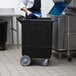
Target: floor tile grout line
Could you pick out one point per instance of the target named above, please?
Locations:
(28, 72)
(13, 65)
(6, 68)
(54, 67)
(42, 69)
(45, 69)
(49, 72)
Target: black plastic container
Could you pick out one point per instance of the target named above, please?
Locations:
(36, 39)
(3, 34)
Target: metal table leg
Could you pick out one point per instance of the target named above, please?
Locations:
(12, 29)
(17, 28)
(68, 41)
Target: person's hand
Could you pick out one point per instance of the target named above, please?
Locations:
(28, 12)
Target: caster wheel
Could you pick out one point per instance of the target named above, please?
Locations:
(25, 60)
(45, 62)
(69, 58)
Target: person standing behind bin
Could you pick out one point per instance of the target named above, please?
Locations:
(32, 8)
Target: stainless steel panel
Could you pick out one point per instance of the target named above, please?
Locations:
(60, 34)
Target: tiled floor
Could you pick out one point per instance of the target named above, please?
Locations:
(10, 66)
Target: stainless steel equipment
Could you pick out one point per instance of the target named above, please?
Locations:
(64, 33)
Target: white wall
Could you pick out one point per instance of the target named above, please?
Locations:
(46, 6)
(9, 4)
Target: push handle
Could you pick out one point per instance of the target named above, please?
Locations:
(21, 18)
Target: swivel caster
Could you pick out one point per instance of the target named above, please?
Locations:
(25, 60)
(45, 62)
